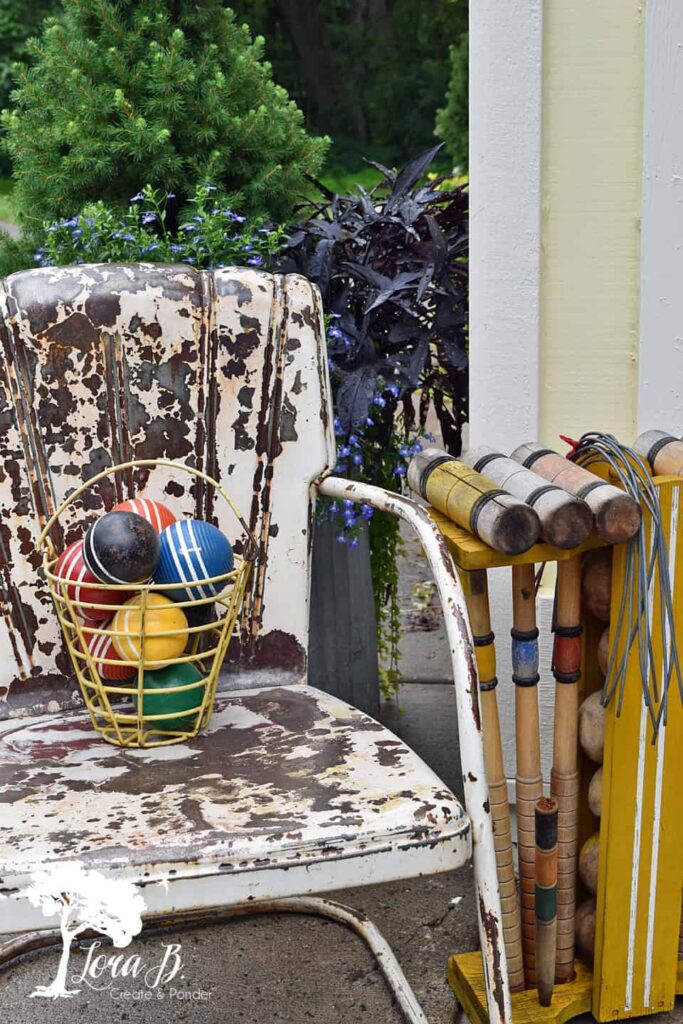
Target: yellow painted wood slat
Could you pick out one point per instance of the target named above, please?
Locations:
(471, 553)
(466, 979)
(641, 831)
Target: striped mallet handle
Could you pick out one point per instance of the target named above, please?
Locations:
(546, 897)
(480, 621)
(529, 781)
(564, 777)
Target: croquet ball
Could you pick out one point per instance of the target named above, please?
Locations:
(592, 717)
(163, 703)
(160, 516)
(584, 925)
(162, 616)
(121, 547)
(603, 651)
(71, 566)
(101, 646)
(199, 614)
(595, 793)
(588, 862)
(193, 550)
(596, 582)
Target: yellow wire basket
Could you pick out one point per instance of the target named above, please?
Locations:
(135, 711)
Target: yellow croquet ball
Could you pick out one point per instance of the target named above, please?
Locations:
(165, 631)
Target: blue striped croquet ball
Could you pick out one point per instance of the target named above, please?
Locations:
(192, 550)
(121, 547)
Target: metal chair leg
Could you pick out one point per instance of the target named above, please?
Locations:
(355, 919)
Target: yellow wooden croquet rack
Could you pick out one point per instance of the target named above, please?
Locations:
(636, 968)
(116, 707)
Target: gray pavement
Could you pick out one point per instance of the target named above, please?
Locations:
(279, 968)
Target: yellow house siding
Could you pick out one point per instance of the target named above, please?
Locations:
(591, 167)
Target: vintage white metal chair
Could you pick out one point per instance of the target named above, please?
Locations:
(290, 791)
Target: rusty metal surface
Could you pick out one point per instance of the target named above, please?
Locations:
(282, 776)
(105, 363)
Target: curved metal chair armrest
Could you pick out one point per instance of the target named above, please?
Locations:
(469, 722)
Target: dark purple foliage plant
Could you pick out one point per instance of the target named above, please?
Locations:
(391, 264)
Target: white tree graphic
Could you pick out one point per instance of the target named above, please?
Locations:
(84, 900)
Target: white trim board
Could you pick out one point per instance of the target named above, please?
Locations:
(506, 45)
(660, 383)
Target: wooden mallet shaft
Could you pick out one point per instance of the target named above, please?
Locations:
(564, 777)
(529, 781)
(475, 585)
(546, 897)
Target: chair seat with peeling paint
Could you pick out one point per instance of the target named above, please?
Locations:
(290, 791)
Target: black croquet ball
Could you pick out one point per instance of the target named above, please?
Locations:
(121, 547)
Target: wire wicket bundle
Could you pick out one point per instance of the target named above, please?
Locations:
(643, 563)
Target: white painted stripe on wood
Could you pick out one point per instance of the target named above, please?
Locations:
(659, 776)
(506, 45)
(638, 819)
(635, 860)
(660, 386)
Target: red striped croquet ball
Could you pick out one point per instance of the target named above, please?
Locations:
(101, 646)
(121, 547)
(192, 550)
(71, 566)
(160, 516)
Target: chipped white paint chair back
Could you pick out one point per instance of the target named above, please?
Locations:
(289, 791)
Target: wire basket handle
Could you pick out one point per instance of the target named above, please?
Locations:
(44, 539)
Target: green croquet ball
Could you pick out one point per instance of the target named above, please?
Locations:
(162, 703)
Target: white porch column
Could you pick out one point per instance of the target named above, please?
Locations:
(660, 382)
(556, 154)
(505, 198)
